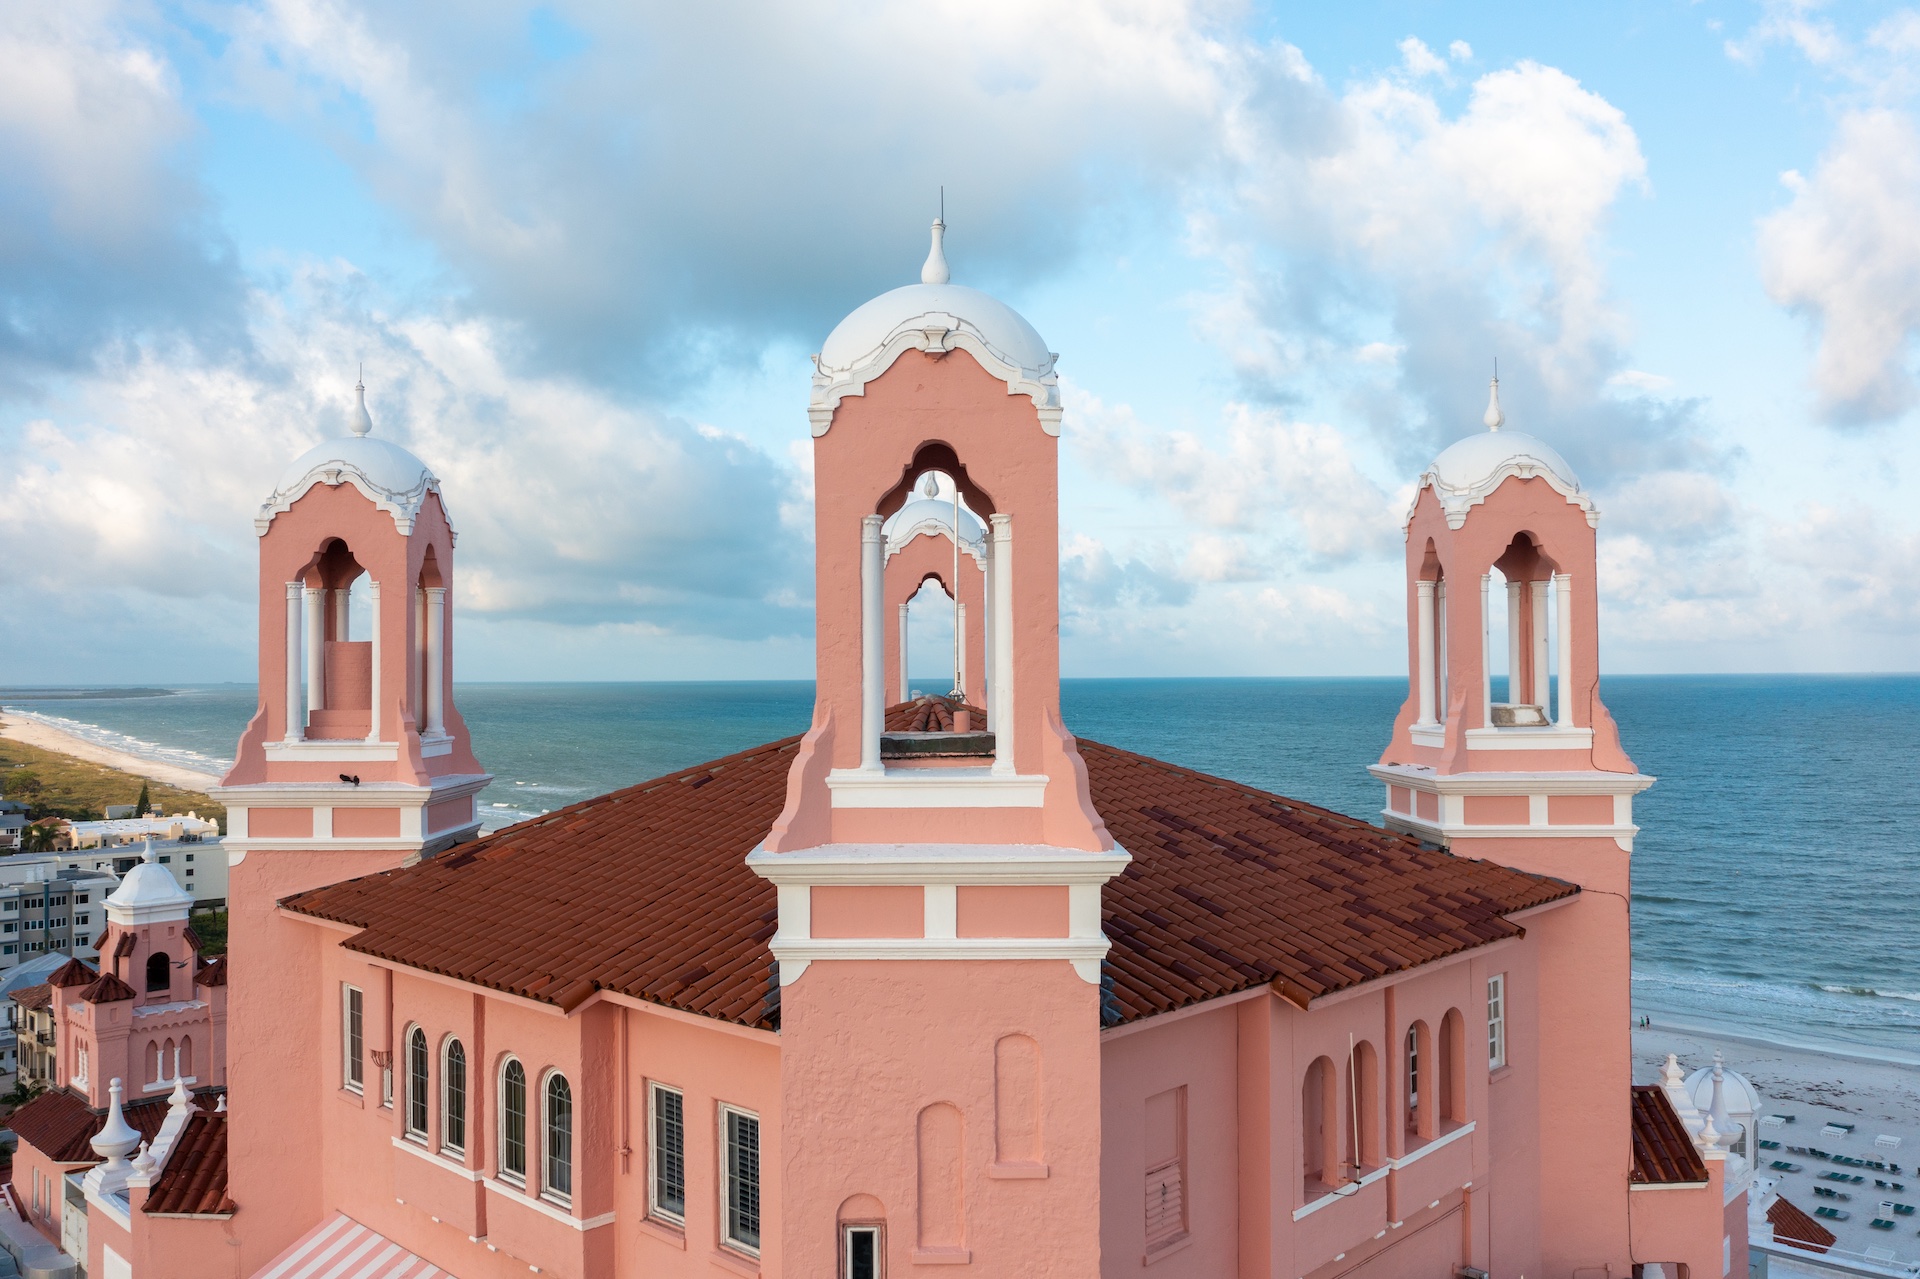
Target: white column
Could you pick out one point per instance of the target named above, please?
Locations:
(960, 646)
(906, 689)
(1440, 646)
(296, 705)
(341, 597)
(1541, 670)
(1486, 650)
(1516, 665)
(990, 673)
(873, 650)
(316, 649)
(436, 659)
(1424, 648)
(373, 616)
(417, 664)
(1003, 643)
(1563, 589)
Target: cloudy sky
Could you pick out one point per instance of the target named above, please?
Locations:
(583, 251)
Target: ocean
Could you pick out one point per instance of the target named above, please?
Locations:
(1776, 876)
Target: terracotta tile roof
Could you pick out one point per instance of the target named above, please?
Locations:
(73, 973)
(212, 973)
(1794, 1226)
(124, 946)
(108, 989)
(194, 1182)
(1663, 1149)
(33, 996)
(1230, 888)
(60, 1125)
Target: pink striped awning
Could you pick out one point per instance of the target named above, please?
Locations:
(342, 1248)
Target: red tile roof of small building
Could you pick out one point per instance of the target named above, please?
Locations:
(33, 996)
(1663, 1149)
(60, 1124)
(213, 972)
(194, 1182)
(1795, 1226)
(645, 891)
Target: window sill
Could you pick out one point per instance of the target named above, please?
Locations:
(738, 1262)
(670, 1233)
(352, 1098)
(1017, 1172)
(943, 1256)
(1165, 1250)
(1497, 1073)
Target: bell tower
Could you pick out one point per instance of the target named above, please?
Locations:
(939, 944)
(356, 762)
(1527, 770)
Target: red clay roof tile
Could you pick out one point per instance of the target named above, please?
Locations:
(1795, 1226)
(1663, 1149)
(1230, 888)
(194, 1182)
(33, 996)
(60, 1124)
(73, 973)
(108, 989)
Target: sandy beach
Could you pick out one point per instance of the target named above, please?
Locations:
(1874, 1091)
(33, 732)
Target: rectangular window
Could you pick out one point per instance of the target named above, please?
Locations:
(189, 857)
(81, 920)
(1496, 1021)
(81, 900)
(1166, 1149)
(352, 1031)
(860, 1252)
(740, 1179)
(669, 1154)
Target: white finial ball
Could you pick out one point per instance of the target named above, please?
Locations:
(930, 487)
(362, 423)
(935, 271)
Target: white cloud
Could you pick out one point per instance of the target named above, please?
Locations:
(1420, 60)
(1845, 252)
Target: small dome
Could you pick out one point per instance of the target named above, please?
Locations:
(934, 316)
(916, 517)
(1467, 463)
(149, 893)
(1736, 1090)
(392, 478)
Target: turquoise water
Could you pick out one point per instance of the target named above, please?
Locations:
(1776, 877)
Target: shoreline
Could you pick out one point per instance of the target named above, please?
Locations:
(21, 727)
(1843, 1049)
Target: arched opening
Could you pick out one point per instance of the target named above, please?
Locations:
(430, 648)
(1452, 1075)
(928, 641)
(339, 668)
(1524, 616)
(935, 594)
(513, 1122)
(1360, 1129)
(159, 973)
(1430, 640)
(556, 1172)
(863, 1237)
(1319, 1174)
(942, 1148)
(1422, 1084)
(453, 1098)
(186, 1057)
(417, 1083)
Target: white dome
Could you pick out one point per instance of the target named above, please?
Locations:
(934, 316)
(916, 515)
(1736, 1090)
(392, 478)
(1469, 470)
(148, 894)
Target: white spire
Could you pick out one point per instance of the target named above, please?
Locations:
(220, 1107)
(930, 487)
(1672, 1073)
(362, 420)
(179, 1098)
(935, 271)
(116, 1137)
(143, 1163)
(1494, 419)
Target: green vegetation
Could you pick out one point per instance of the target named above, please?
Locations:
(210, 926)
(54, 785)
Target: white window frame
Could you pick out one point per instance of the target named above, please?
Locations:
(529, 1127)
(1496, 1021)
(562, 1197)
(447, 1046)
(406, 1086)
(352, 1064)
(655, 1208)
(851, 1228)
(726, 1176)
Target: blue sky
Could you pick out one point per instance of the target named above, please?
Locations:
(584, 250)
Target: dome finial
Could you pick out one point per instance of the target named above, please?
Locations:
(149, 856)
(935, 271)
(362, 421)
(1494, 419)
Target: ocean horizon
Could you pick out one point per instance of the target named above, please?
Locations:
(1774, 886)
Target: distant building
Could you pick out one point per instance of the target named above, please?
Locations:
(120, 831)
(24, 987)
(47, 907)
(199, 866)
(12, 827)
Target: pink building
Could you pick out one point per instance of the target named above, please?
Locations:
(937, 985)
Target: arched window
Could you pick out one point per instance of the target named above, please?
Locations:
(453, 1098)
(1453, 1068)
(513, 1122)
(159, 973)
(1318, 1175)
(186, 1056)
(556, 1179)
(1422, 1085)
(1361, 1130)
(417, 1083)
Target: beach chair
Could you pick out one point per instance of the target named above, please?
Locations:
(1903, 1210)
(1781, 1165)
(1832, 1214)
(1769, 1145)
(1881, 1223)
(1828, 1192)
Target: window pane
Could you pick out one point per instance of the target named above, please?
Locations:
(559, 1178)
(669, 1153)
(513, 1127)
(743, 1179)
(862, 1253)
(417, 1082)
(453, 1116)
(355, 1041)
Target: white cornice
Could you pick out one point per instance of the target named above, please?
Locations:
(1456, 502)
(344, 795)
(898, 539)
(403, 505)
(934, 787)
(938, 864)
(1541, 782)
(935, 332)
(1085, 953)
